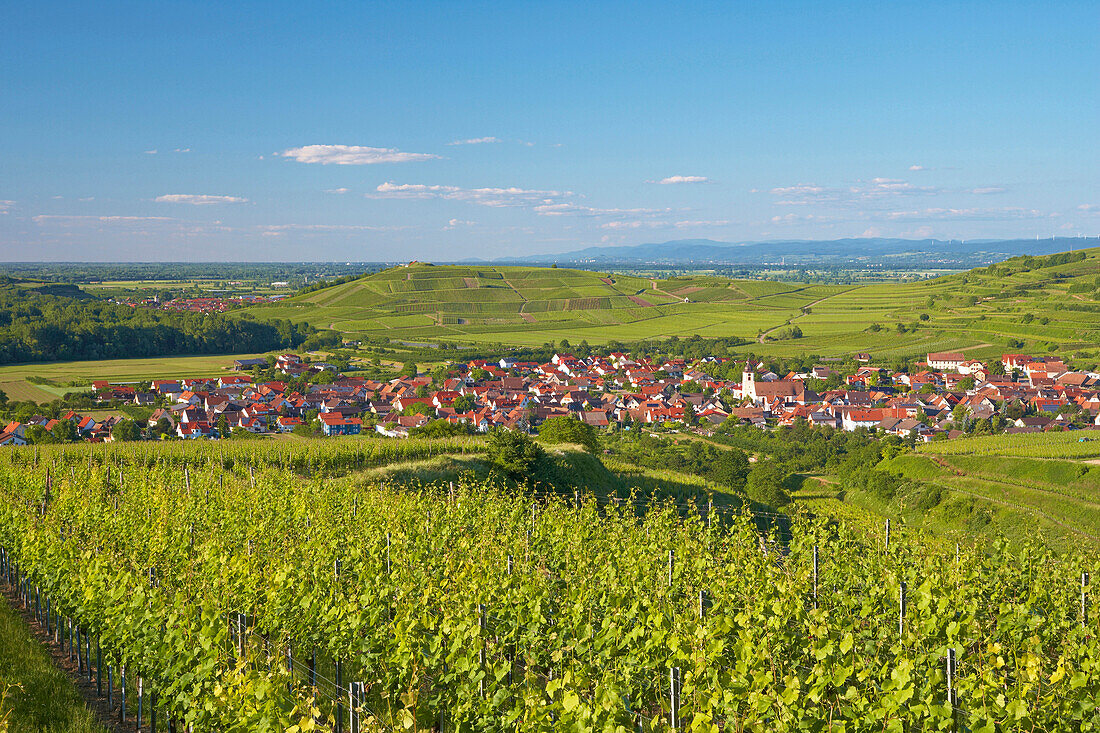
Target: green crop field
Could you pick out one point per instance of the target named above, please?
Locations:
(248, 591)
(74, 376)
(1015, 305)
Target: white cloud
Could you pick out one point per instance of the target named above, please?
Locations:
(182, 150)
(455, 223)
(793, 218)
(5, 205)
(151, 152)
(351, 155)
(475, 141)
(803, 194)
(275, 230)
(497, 197)
(73, 220)
(985, 190)
(336, 190)
(1082, 207)
(871, 232)
(682, 179)
(661, 224)
(571, 209)
(198, 199)
(695, 224)
(969, 214)
(915, 168)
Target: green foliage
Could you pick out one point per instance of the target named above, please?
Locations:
(513, 452)
(569, 429)
(463, 403)
(441, 429)
(126, 431)
(764, 485)
(550, 576)
(35, 326)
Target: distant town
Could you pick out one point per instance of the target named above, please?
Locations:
(948, 396)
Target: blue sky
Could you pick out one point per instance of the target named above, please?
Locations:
(392, 131)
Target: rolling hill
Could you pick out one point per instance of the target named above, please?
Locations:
(1039, 303)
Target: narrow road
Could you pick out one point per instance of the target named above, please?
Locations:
(801, 313)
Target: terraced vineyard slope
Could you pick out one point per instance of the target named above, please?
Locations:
(1035, 303)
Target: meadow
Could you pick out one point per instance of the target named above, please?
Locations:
(77, 376)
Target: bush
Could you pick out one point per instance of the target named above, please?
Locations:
(513, 452)
(765, 485)
(569, 429)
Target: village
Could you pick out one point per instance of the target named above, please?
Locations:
(947, 397)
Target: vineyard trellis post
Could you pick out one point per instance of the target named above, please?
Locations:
(1084, 600)
(481, 647)
(122, 695)
(887, 534)
(952, 693)
(902, 602)
(671, 564)
(339, 714)
(674, 698)
(815, 576)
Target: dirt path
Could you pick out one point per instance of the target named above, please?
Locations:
(802, 312)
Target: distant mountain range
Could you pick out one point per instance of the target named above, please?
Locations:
(863, 252)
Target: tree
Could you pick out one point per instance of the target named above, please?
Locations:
(513, 452)
(967, 383)
(569, 429)
(765, 485)
(126, 430)
(408, 369)
(731, 468)
(463, 403)
(65, 431)
(38, 435)
(223, 426)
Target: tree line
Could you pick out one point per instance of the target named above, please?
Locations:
(38, 326)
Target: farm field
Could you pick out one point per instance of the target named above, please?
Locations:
(62, 374)
(1048, 308)
(287, 598)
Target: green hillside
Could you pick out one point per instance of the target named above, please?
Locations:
(1038, 303)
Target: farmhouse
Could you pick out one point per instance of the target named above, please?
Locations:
(945, 360)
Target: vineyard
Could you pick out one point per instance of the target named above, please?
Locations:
(257, 588)
(1070, 444)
